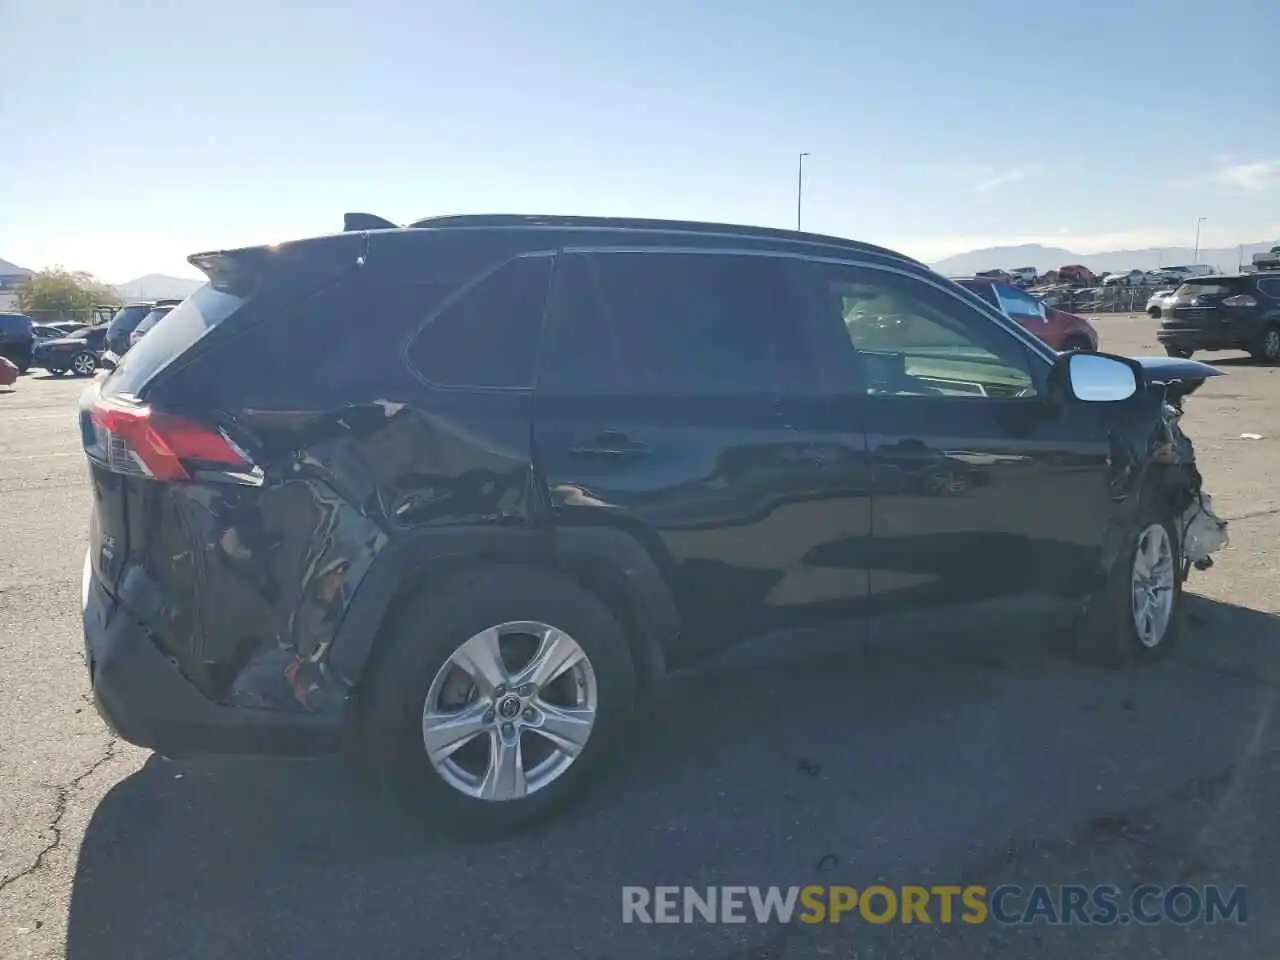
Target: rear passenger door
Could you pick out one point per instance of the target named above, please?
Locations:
(677, 397)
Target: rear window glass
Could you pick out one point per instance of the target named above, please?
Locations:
(184, 326)
(487, 337)
(126, 319)
(152, 318)
(1208, 288)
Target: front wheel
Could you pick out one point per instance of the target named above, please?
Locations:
(497, 695)
(1268, 349)
(1136, 617)
(84, 364)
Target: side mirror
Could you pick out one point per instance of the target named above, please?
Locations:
(1100, 377)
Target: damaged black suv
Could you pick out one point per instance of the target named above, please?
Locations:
(458, 496)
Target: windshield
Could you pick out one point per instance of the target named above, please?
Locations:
(151, 319)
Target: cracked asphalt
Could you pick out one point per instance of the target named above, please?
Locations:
(999, 763)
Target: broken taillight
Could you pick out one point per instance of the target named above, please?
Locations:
(143, 442)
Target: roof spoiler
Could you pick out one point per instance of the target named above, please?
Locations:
(366, 221)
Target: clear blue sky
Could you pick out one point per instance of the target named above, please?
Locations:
(137, 132)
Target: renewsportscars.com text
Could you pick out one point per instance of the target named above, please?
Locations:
(938, 903)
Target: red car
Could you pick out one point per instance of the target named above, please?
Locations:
(1059, 329)
(8, 373)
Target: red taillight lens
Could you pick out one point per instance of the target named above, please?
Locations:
(140, 441)
(1240, 300)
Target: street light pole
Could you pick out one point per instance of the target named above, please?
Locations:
(799, 188)
(1195, 257)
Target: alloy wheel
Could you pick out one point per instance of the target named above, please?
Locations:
(84, 364)
(1271, 344)
(1152, 585)
(510, 711)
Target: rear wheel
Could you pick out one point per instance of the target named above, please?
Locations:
(84, 364)
(497, 696)
(1268, 348)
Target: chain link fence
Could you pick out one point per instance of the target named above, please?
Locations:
(1111, 298)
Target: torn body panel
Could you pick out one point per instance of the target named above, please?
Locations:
(1152, 457)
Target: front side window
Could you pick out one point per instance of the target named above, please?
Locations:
(674, 323)
(910, 339)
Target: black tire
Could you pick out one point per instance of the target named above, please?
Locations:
(1107, 635)
(1153, 313)
(1181, 352)
(427, 632)
(1267, 349)
(56, 371)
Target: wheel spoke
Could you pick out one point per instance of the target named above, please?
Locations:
(504, 777)
(443, 733)
(566, 727)
(480, 658)
(556, 654)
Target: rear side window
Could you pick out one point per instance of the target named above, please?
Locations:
(184, 326)
(1210, 288)
(674, 323)
(15, 324)
(488, 335)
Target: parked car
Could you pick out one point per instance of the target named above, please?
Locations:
(17, 337)
(68, 326)
(1003, 276)
(468, 534)
(1023, 276)
(1057, 328)
(1077, 274)
(78, 352)
(1130, 278)
(123, 324)
(44, 331)
(1229, 312)
(158, 313)
(8, 372)
(1156, 303)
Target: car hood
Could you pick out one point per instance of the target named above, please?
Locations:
(1180, 376)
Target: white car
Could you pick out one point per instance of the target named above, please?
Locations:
(1156, 305)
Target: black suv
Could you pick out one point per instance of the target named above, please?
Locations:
(17, 339)
(127, 319)
(1230, 312)
(520, 468)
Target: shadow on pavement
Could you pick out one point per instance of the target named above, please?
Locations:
(922, 764)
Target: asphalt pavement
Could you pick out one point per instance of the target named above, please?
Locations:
(989, 764)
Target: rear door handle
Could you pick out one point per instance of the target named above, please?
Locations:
(610, 444)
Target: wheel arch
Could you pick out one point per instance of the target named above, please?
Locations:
(608, 562)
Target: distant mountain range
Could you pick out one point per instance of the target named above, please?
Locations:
(154, 286)
(1042, 258)
(157, 286)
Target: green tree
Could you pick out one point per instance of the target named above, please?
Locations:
(57, 293)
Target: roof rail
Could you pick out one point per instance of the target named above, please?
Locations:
(638, 223)
(366, 221)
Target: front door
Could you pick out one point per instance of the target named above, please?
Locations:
(988, 501)
(677, 400)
